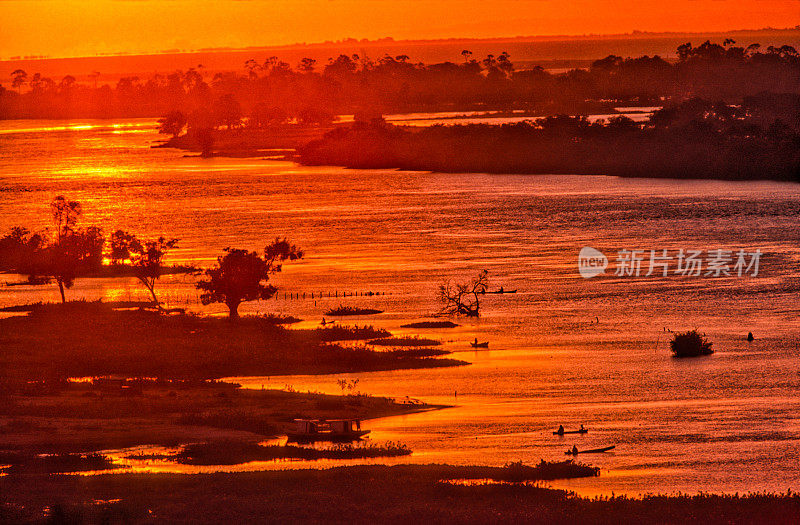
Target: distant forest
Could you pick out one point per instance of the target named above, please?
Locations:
(756, 139)
(271, 92)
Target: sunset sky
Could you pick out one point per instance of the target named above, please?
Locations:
(88, 27)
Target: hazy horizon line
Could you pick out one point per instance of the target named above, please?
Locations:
(346, 41)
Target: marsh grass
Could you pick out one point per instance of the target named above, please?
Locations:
(350, 333)
(404, 341)
(28, 463)
(546, 470)
(351, 310)
(430, 324)
(362, 494)
(234, 453)
(53, 341)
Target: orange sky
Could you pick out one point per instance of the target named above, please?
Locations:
(87, 27)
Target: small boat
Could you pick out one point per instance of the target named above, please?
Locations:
(500, 291)
(590, 451)
(341, 430)
(475, 344)
(579, 431)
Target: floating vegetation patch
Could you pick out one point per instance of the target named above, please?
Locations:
(404, 341)
(351, 310)
(431, 324)
(232, 453)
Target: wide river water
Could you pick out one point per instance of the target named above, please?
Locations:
(563, 349)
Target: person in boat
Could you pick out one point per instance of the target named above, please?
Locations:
(476, 342)
(501, 290)
(575, 450)
(582, 429)
(560, 429)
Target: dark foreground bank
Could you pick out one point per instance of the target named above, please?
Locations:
(56, 341)
(364, 494)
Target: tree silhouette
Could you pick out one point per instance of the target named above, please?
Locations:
(315, 116)
(67, 83)
(464, 298)
(65, 215)
(242, 275)
(94, 75)
(20, 252)
(121, 242)
(201, 127)
(72, 251)
(228, 111)
(19, 77)
(307, 65)
(172, 123)
(264, 116)
(147, 261)
(252, 68)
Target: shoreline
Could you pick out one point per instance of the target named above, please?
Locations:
(429, 493)
(469, 148)
(51, 343)
(141, 395)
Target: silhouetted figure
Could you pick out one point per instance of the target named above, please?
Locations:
(574, 450)
(561, 429)
(750, 337)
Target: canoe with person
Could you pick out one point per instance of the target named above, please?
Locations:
(561, 431)
(500, 290)
(574, 450)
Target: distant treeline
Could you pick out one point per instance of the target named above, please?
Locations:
(273, 92)
(758, 139)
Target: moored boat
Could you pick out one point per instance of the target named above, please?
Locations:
(579, 431)
(310, 430)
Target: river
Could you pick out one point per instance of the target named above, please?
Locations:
(563, 349)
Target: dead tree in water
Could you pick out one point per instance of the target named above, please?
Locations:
(464, 298)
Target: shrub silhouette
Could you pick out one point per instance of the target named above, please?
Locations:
(690, 344)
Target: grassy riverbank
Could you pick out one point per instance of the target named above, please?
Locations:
(277, 142)
(93, 339)
(179, 356)
(363, 494)
(85, 417)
